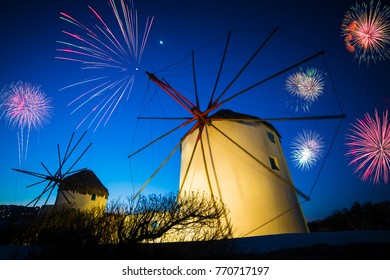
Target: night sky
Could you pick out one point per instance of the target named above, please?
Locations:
(29, 31)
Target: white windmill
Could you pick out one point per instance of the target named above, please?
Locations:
(236, 157)
(80, 189)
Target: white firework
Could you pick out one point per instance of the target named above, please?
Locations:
(307, 149)
(307, 86)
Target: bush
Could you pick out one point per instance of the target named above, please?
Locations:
(152, 218)
(367, 216)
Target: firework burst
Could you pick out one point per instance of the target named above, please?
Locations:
(366, 32)
(111, 53)
(307, 149)
(369, 147)
(306, 86)
(26, 107)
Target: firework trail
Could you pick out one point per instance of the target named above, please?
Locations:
(366, 32)
(26, 107)
(307, 149)
(306, 87)
(369, 147)
(111, 53)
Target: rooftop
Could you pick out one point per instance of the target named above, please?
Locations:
(84, 182)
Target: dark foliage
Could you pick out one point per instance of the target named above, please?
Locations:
(68, 233)
(192, 217)
(367, 216)
(14, 219)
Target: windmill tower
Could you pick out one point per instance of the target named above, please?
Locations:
(82, 190)
(233, 157)
(241, 162)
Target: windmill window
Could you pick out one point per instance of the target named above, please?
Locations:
(271, 136)
(154, 224)
(274, 163)
(93, 197)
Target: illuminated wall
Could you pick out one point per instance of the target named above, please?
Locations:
(253, 181)
(80, 201)
(82, 190)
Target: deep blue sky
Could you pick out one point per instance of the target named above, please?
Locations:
(29, 31)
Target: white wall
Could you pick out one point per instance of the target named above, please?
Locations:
(260, 201)
(80, 201)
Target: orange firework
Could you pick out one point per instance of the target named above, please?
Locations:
(366, 32)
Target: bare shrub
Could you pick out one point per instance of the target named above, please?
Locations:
(152, 218)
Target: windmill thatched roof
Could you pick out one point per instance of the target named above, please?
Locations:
(229, 114)
(84, 182)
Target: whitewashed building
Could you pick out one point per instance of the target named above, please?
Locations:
(82, 190)
(239, 160)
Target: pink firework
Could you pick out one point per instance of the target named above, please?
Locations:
(369, 148)
(25, 106)
(366, 32)
(111, 53)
